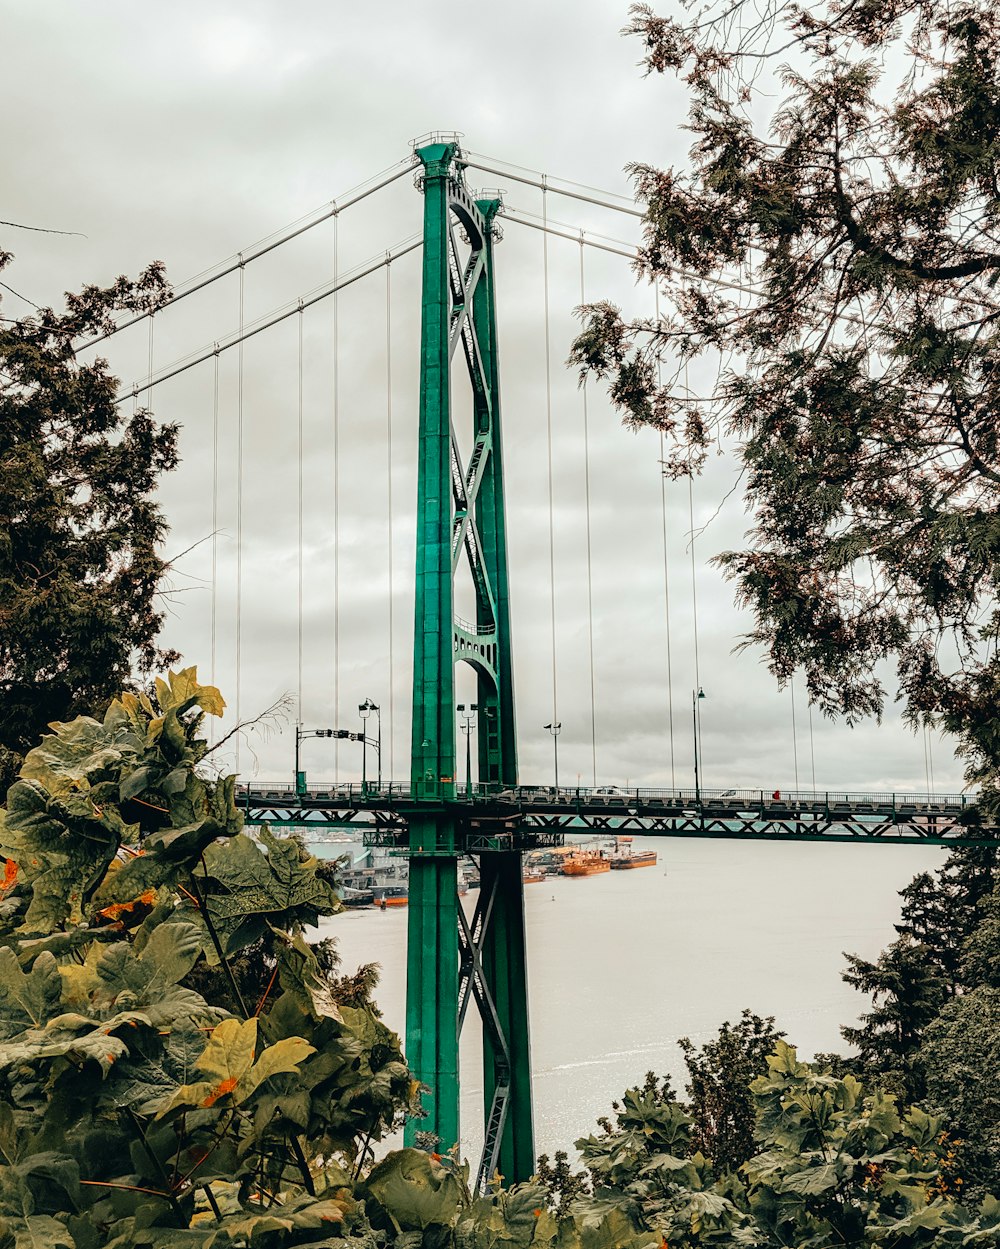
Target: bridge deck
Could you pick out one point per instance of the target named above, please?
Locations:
(529, 815)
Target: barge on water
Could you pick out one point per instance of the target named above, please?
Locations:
(624, 856)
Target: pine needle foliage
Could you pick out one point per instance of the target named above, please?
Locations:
(81, 567)
(835, 241)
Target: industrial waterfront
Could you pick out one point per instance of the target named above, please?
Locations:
(622, 964)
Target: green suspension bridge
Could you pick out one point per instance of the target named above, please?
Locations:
(434, 817)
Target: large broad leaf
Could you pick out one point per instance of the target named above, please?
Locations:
(28, 999)
(81, 751)
(181, 691)
(63, 847)
(166, 958)
(813, 1181)
(294, 1222)
(229, 1067)
(133, 879)
(615, 1231)
(249, 885)
(145, 1082)
(416, 1191)
(508, 1219)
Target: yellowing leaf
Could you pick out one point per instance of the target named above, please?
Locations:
(228, 1062)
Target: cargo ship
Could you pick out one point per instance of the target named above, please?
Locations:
(585, 863)
(384, 882)
(547, 862)
(390, 895)
(624, 856)
(634, 858)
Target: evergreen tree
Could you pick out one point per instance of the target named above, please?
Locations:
(942, 910)
(80, 567)
(961, 1056)
(828, 266)
(907, 991)
(981, 953)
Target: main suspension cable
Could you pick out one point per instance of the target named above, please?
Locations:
(617, 247)
(544, 182)
(307, 301)
(269, 244)
(630, 252)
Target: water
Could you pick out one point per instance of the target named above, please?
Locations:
(624, 963)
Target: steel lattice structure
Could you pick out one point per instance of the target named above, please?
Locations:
(461, 528)
(460, 517)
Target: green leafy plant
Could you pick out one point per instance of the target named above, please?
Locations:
(135, 1109)
(832, 1167)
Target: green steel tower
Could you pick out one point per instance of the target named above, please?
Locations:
(460, 517)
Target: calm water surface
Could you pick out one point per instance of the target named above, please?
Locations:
(622, 964)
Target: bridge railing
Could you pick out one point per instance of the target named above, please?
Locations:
(614, 796)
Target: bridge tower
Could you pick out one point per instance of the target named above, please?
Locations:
(460, 517)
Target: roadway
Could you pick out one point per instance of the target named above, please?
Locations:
(528, 816)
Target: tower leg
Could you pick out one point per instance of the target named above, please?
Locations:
(505, 970)
(432, 993)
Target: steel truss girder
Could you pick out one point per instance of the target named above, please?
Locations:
(473, 983)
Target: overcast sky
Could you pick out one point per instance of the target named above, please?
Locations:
(185, 133)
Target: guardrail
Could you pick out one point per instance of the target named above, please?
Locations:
(373, 794)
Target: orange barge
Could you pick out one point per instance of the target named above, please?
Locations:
(585, 863)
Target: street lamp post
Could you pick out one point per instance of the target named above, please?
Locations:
(365, 709)
(554, 728)
(468, 716)
(300, 734)
(695, 698)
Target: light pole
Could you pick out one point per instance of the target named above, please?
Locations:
(554, 730)
(300, 733)
(365, 709)
(468, 716)
(695, 698)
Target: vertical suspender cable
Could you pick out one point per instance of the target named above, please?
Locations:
(548, 430)
(388, 461)
(336, 493)
(666, 572)
(795, 739)
(694, 610)
(150, 361)
(812, 745)
(299, 449)
(930, 758)
(590, 578)
(927, 766)
(215, 526)
(239, 517)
